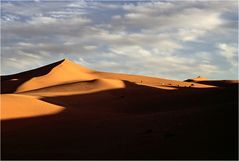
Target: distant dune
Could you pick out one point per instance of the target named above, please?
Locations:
(217, 83)
(66, 111)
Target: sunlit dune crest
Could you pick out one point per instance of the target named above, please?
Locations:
(66, 71)
(199, 78)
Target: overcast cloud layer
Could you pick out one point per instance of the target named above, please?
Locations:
(170, 39)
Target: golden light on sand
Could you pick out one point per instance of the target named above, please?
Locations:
(15, 106)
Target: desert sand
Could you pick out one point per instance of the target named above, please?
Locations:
(67, 111)
(21, 106)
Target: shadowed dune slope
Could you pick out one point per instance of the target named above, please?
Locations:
(216, 83)
(134, 122)
(220, 83)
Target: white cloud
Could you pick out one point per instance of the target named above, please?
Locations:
(90, 47)
(116, 17)
(21, 62)
(135, 51)
(152, 15)
(161, 38)
(42, 20)
(190, 34)
(230, 52)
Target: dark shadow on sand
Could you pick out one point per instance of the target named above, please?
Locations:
(137, 122)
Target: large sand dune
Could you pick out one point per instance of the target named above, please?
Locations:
(66, 111)
(66, 71)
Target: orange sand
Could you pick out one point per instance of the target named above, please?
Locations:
(19, 106)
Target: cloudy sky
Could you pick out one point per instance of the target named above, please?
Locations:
(170, 39)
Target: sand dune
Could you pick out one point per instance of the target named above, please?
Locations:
(19, 106)
(66, 71)
(66, 111)
(199, 78)
(216, 83)
(151, 81)
(79, 87)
